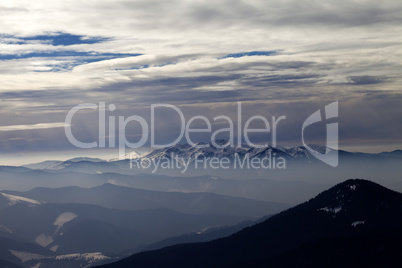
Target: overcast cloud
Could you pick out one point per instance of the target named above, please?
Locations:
(279, 57)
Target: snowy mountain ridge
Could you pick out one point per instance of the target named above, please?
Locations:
(188, 153)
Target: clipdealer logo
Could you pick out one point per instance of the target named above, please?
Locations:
(330, 156)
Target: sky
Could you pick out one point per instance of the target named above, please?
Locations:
(277, 58)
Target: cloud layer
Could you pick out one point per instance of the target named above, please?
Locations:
(288, 55)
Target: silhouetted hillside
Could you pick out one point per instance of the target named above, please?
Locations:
(355, 223)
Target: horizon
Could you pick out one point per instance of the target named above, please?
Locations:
(22, 159)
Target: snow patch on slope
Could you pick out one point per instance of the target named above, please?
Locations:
(354, 224)
(44, 240)
(26, 256)
(64, 218)
(54, 248)
(5, 229)
(13, 199)
(332, 210)
(91, 257)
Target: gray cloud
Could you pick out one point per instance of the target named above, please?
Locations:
(324, 51)
(366, 79)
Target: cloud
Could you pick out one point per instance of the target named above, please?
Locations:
(30, 127)
(55, 55)
(54, 52)
(366, 79)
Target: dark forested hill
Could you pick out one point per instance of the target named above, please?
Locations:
(355, 223)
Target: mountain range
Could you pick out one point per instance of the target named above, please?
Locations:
(93, 211)
(356, 223)
(235, 163)
(290, 191)
(185, 154)
(124, 198)
(60, 225)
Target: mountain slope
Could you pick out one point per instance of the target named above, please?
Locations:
(203, 236)
(9, 247)
(118, 197)
(15, 254)
(6, 264)
(60, 227)
(355, 212)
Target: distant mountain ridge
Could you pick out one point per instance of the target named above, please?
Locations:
(202, 149)
(118, 197)
(186, 154)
